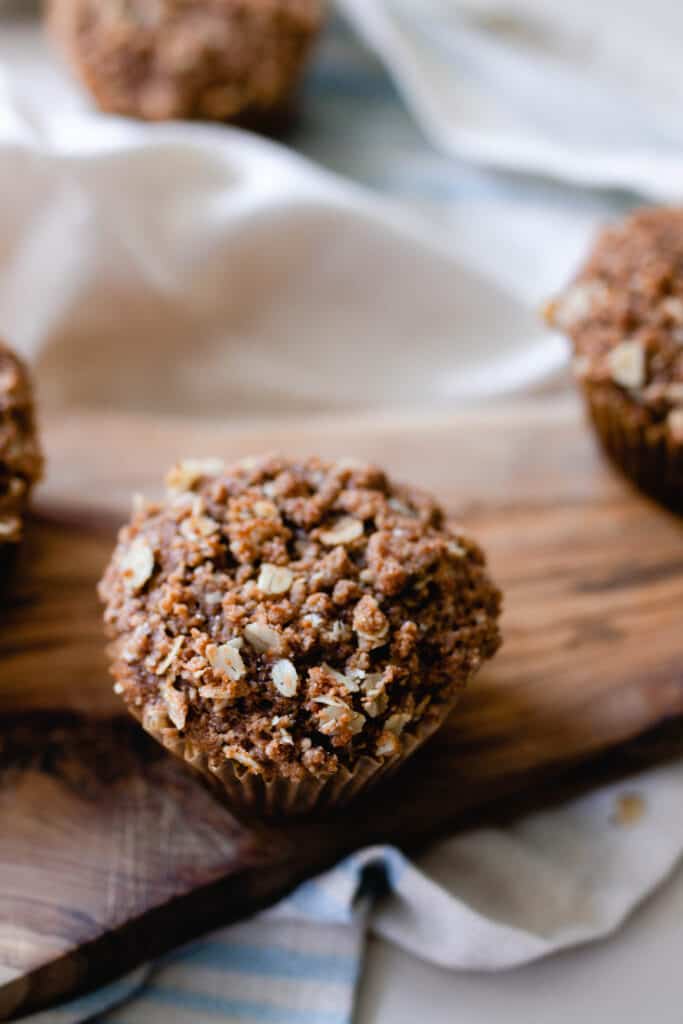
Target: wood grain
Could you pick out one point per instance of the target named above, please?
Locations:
(111, 852)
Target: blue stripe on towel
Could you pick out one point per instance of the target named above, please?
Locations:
(86, 1006)
(317, 902)
(270, 961)
(198, 1002)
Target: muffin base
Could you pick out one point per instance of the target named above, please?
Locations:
(274, 797)
(645, 452)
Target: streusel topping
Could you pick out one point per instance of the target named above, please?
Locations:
(21, 462)
(624, 313)
(212, 59)
(293, 615)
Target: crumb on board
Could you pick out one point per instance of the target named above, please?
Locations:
(629, 809)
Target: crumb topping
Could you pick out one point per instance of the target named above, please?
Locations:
(624, 314)
(294, 615)
(21, 462)
(214, 59)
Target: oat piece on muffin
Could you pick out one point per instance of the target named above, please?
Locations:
(294, 629)
(221, 60)
(624, 316)
(21, 463)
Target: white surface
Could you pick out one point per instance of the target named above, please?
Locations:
(495, 898)
(634, 978)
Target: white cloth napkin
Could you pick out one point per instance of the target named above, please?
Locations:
(203, 270)
(586, 92)
(268, 265)
(219, 236)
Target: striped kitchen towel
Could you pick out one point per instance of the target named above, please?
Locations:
(295, 964)
(484, 900)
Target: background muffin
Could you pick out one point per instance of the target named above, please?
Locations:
(294, 629)
(21, 462)
(213, 59)
(624, 315)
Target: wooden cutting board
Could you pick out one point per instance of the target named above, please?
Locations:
(110, 852)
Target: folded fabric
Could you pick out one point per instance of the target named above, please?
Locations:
(587, 93)
(487, 899)
(255, 255)
(267, 265)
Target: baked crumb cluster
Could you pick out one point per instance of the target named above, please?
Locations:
(21, 462)
(294, 615)
(213, 59)
(624, 315)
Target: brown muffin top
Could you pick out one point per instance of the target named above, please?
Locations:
(21, 463)
(624, 315)
(161, 59)
(293, 615)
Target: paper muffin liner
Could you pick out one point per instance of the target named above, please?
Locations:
(646, 453)
(272, 796)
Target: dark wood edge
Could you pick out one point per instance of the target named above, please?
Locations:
(228, 899)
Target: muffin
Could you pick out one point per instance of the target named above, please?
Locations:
(294, 629)
(21, 463)
(220, 60)
(624, 316)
